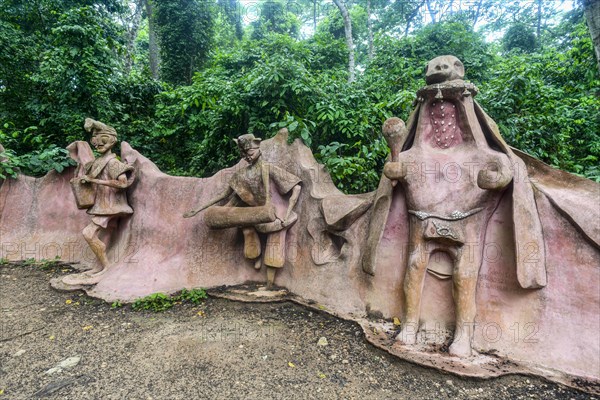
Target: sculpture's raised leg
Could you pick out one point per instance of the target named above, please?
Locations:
(91, 236)
(252, 246)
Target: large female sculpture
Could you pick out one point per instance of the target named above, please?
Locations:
(453, 167)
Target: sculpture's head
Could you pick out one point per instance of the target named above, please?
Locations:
(249, 147)
(443, 69)
(103, 138)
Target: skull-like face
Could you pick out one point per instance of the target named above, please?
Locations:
(443, 69)
(103, 142)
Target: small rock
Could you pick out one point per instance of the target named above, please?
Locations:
(345, 362)
(449, 382)
(53, 370)
(333, 357)
(69, 362)
(322, 341)
(19, 353)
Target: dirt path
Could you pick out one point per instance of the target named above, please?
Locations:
(220, 349)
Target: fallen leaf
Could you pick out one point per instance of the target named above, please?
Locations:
(322, 375)
(68, 301)
(52, 337)
(396, 321)
(65, 270)
(201, 313)
(1, 392)
(87, 327)
(291, 364)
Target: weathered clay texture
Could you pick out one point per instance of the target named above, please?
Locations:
(537, 291)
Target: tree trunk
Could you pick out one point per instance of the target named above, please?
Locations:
(411, 16)
(539, 20)
(477, 11)
(132, 25)
(349, 42)
(315, 16)
(431, 11)
(154, 49)
(592, 16)
(370, 30)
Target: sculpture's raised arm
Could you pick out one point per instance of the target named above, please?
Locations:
(222, 196)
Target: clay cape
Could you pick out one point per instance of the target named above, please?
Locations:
(574, 197)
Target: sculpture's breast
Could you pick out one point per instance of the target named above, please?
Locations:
(444, 180)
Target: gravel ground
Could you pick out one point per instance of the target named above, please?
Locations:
(219, 349)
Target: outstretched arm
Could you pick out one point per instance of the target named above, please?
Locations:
(293, 201)
(222, 196)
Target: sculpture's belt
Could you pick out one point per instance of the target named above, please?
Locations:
(455, 216)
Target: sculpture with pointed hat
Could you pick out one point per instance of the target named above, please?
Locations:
(101, 190)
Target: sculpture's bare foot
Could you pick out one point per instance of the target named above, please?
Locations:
(83, 279)
(460, 348)
(73, 279)
(407, 336)
(94, 270)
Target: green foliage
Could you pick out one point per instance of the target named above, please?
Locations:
(185, 30)
(334, 24)
(158, 302)
(155, 302)
(116, 304)
(77, 73)
(274, 17)
(29, 262)
(543, 109)
(262, 86)
(43, 264)
(194, 296)
(64, 60)
(10, 164)
(230, 10)
(59, 69)
(519, 36)
(34, 163)
(453, 38)
(328, 53)
(39, 162)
